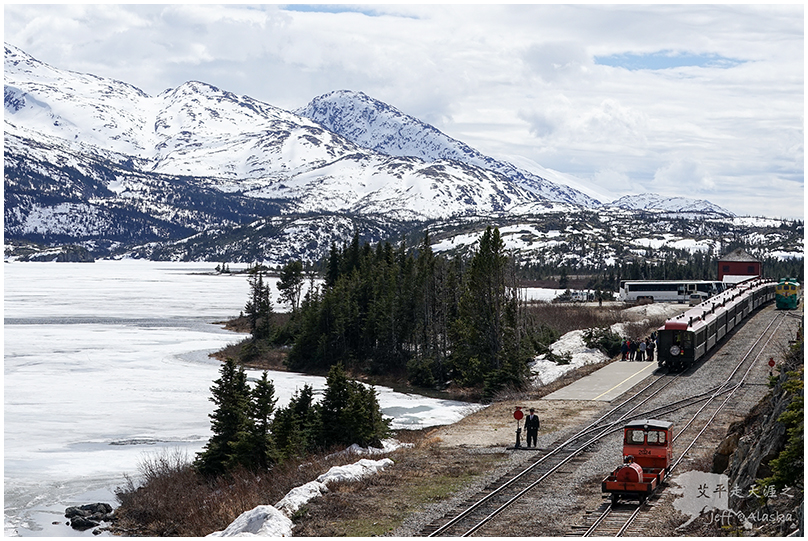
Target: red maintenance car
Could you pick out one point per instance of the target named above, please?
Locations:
(647, 457)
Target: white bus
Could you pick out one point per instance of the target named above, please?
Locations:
(668, 290)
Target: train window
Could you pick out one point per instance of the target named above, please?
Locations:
(684, 340)
(656, 437)
(635, 436)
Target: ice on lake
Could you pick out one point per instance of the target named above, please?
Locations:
(107, 361)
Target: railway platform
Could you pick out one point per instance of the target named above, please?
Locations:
(607, 383)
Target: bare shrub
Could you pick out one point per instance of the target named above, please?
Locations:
(564, 318)
(635, 330)
(172, 499)
(166, 463)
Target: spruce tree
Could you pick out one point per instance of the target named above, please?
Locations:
(229, 420)
(259, 306)
(296, 427)
(486, 337)
(254, 446)
(291, 283)
(350, 412)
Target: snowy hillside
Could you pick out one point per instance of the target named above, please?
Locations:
(198, 172)
(375, 125)
(678, 205)
(232, 144)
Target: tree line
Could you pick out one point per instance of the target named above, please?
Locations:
(434, 319)
(249, 432)
(393, 310)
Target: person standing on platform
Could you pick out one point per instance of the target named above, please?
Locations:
(532, 428)
(641, 350)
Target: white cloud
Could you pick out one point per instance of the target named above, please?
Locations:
(518, 79)
(684, 174)
(553, 60)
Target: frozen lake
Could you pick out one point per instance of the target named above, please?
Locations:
(105, 362)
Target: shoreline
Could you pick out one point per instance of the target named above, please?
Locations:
(275, 361)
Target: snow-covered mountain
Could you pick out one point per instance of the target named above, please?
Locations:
(676, 205)
(236, 144)
(375, 125)
(199, 172)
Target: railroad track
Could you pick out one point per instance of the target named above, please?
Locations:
(484, 507)
(614, 520)
(501, 494)
(611, 521)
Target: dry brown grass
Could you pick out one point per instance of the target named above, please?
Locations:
(171, 499)
(564, 318)
(378, 504)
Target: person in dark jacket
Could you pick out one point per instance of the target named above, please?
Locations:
(532, 428)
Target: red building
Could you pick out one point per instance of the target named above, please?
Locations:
(737, 266)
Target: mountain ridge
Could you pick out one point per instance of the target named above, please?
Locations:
(197, 172)
(373, 124)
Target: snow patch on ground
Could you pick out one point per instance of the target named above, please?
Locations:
(388, 446)
(546, 371)
(274, 521)
(263, 521)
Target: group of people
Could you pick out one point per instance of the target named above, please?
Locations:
(638, 350)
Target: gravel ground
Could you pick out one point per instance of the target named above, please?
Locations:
(477, 443)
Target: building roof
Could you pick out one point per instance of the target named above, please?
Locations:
(737, 278)
(739, 255)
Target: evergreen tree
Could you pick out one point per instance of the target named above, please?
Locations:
(229, 420)
(487, 344)
(258, 309)
(254, 447)
(350, 413)
(332, 271)
(296, 427)
(291, 283)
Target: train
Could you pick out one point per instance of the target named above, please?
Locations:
(685, 339)
(787, 294)
(647, 459)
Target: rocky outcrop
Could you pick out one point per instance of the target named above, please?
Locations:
(727, 447)
(745, 455)
(89, 516)
(65, 254)
(762, 441)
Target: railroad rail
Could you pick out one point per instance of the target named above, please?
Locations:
(614, 521)
(503, 493)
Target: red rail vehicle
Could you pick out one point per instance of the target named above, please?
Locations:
(688, 337)
(647, 457)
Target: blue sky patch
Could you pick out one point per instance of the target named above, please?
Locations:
(330, 8)
(666, 60)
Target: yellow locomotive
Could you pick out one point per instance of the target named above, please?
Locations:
(787, 294)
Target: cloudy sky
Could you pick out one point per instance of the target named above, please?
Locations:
(690, 100)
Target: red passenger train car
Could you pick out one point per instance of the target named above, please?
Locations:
(688, 337)
(647, 458)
